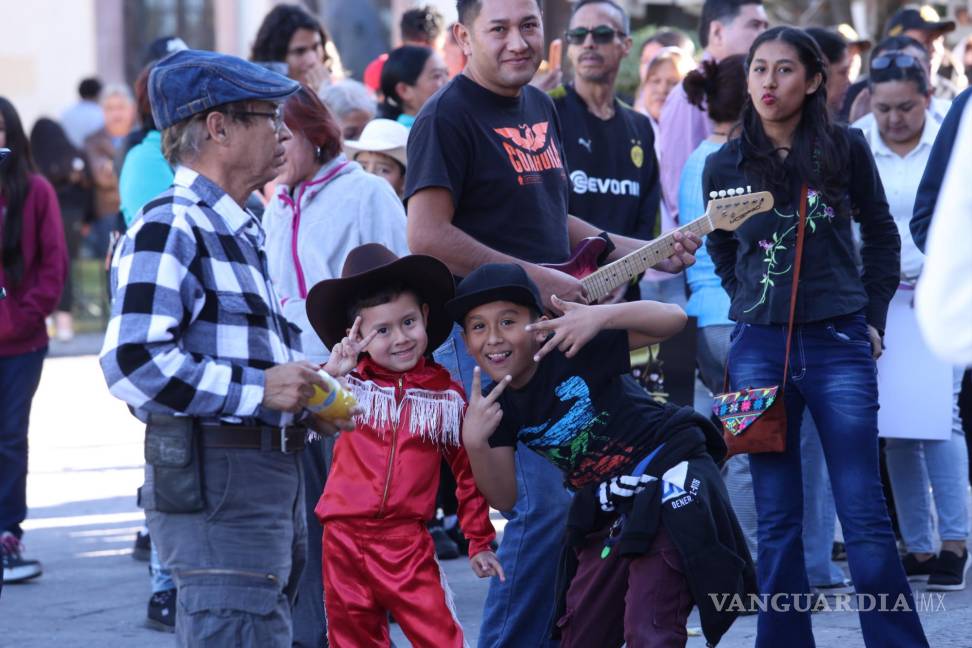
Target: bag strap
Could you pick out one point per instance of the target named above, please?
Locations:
(797, 263)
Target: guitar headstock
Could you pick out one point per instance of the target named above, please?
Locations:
(729, 208)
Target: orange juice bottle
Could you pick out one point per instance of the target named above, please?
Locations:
(334, 403)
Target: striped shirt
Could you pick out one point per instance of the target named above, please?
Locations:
(195, 321)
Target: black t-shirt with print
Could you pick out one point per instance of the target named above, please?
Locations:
(613, 172)
(500, 158)
(584, 414)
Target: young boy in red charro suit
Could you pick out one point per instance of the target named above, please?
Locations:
(378, 555)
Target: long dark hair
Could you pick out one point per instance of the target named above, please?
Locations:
(404, 65)
(56, 157)
(818, 152)
(278, 27)
(14, 185)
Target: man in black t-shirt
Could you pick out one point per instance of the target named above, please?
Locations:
(487, 183)
(609, 147)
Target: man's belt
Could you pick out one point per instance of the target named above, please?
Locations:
(254, 437)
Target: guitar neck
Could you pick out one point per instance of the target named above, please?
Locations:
(601, 282)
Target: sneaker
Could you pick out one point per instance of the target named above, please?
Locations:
(15, 567)
(162, 611)
(949, 572)
(445, 548)
(143, 547)
(840, 587)
(917, 570)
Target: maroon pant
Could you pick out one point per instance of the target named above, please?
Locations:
(643, 601)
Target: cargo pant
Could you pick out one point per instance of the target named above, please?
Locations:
(237, 563)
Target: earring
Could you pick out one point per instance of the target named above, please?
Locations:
(317, 152)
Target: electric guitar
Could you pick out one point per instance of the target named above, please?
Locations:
(727, 210)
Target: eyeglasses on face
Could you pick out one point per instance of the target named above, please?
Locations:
(602, 34)
(276, 116)
(894, 59)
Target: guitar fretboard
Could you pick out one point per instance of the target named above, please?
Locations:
(602, 281)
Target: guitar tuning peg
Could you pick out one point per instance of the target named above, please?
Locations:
(731, 192)
(749, 189)
(740, 191)
(722, 193)
(713, 194)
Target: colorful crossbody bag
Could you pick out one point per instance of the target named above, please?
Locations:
(754, 419)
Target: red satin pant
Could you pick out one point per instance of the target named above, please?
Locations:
(372, 567)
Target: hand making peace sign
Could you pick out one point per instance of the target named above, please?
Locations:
(483, 414)
(344, 354)
(571, 331)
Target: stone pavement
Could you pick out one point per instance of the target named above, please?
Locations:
(85, 464)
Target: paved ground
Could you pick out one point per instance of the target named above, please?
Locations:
(86, 462)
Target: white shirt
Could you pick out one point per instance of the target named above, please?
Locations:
(900, 177)
(943, 301)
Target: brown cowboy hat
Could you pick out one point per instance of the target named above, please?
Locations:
(370, 268)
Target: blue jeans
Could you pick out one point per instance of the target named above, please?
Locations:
(913, 465)
(161, 577)
(520, 611)
(833, 374)
(19, 378)
(819, 514)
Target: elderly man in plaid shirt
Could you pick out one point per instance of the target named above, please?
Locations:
(199, 349)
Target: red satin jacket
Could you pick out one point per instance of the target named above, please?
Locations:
(388, 466)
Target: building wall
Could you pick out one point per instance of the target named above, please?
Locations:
(46, 48)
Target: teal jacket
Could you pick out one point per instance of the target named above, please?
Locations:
(144, 175)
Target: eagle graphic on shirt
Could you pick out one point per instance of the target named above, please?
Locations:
(530, 151)
(529, 138)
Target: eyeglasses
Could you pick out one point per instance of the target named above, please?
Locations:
(602, 35)
(894, 59)
(276, 116)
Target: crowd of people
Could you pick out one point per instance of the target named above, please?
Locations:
(271, 223)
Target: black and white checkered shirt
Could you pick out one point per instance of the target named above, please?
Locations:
(195, 321)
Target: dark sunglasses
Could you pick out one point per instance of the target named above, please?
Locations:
(602, 35)
(894, 59)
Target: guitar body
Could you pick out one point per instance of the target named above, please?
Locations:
(584, 259)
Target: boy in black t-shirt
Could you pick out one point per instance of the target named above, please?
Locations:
(651, 527)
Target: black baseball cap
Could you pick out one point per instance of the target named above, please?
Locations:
(494, 282)
(924, 18)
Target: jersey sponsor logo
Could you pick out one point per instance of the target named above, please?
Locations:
(529, 150)
(583, 183)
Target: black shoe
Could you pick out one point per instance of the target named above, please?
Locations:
(949, 572)
(162, 611)
(916, 570)
(16, 568)
(455, 534)
(445, 548)
(143, 547)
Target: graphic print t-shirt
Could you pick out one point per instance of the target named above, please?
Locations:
(501, 159)
(613, 172)
(584, 414)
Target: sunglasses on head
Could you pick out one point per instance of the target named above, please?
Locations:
(602, 34)
(894, 59)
